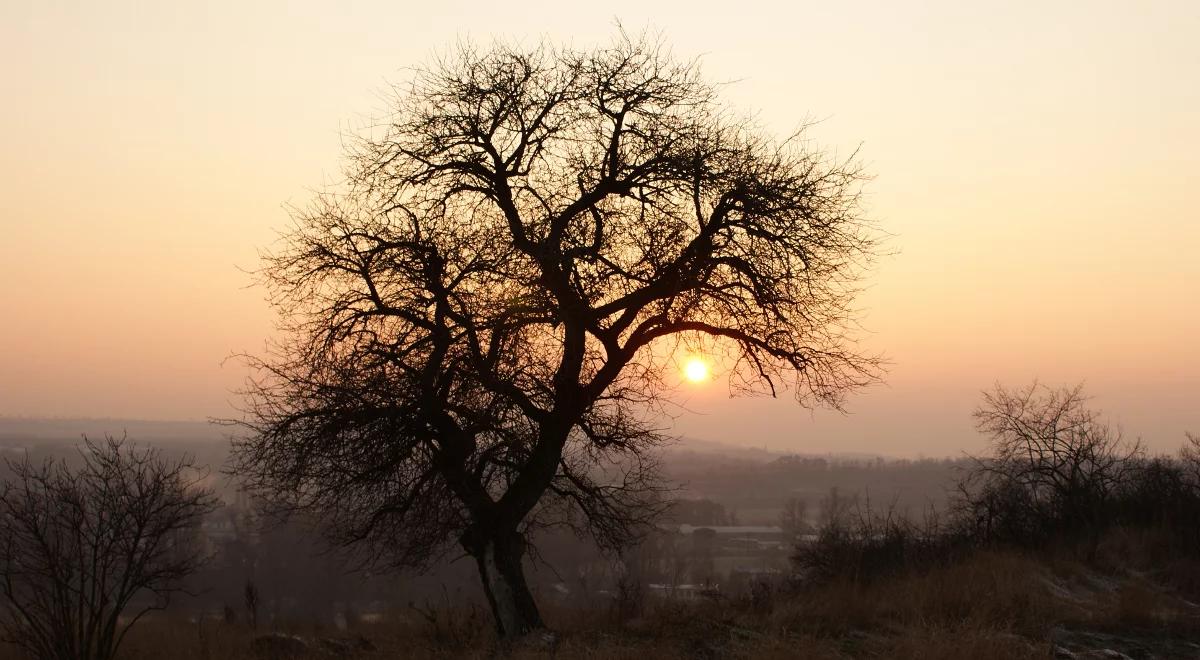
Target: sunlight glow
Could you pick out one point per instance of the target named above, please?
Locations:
(696, 370)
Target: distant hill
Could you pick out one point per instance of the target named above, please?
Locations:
(757, 454)
(36, 429)
(29, 429)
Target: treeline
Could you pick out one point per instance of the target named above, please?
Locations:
(1057, 477)
(722, 491)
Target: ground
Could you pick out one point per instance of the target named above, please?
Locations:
(1126, 602)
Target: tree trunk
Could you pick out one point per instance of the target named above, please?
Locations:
(499, 556)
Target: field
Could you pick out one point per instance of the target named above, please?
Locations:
(1132, 600)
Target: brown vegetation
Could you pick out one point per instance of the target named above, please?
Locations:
(87, 549)
(990, 604)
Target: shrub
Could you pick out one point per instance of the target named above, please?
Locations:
(86, 550)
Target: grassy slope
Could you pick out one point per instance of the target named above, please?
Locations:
(1133, 598)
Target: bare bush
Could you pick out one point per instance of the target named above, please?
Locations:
(1054, 465)
(1189, 456)
(87, 550)
(794, 518)
(855, 541)
(1161, 494)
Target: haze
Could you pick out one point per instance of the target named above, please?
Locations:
(1035, 164)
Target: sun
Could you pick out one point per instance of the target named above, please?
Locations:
(696, 370)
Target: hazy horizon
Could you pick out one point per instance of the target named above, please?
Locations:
(1034, 164)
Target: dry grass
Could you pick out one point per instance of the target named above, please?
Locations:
(988, 591)
(975, 643)
(990, 605)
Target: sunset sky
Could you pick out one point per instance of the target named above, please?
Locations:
(1037, 165)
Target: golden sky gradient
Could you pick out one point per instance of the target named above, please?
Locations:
(1038, 164)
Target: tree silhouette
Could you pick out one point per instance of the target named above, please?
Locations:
(1055, 465)
(478, 327)
(87, 550)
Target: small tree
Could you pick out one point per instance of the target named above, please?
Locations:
(250, 599)
(86, 550)
(794, 517)
(1189, 456)
(479, 326)
(1054, 464)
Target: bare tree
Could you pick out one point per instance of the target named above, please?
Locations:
(478, 327)
(250, 599)
(1189, 457)
(794, 517)
(1053, 461)
(87, 550)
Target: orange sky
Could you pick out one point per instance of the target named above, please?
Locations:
(1036, 163)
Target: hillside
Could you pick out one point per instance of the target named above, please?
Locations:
(1130, 602)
